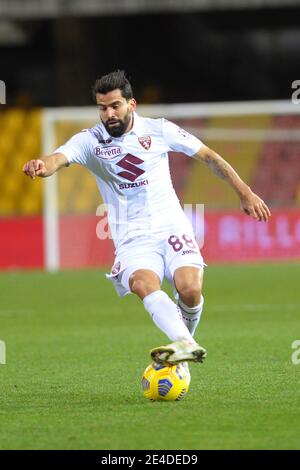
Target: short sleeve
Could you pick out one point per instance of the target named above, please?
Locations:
(180, 140)
(77, 149)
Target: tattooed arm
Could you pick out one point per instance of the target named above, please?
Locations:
(251, 204)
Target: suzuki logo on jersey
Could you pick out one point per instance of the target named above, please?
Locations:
(145, 142)
(107, 152)
(132, 172)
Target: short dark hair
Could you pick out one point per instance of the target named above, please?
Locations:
(113, 81)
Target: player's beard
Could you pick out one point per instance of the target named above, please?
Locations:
(117, 131)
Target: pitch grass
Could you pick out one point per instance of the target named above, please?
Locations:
(76, 352)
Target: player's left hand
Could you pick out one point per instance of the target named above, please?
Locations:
(254, 206)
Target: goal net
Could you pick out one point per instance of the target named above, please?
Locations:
(259, 139)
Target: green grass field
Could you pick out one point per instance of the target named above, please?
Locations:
(76, 352)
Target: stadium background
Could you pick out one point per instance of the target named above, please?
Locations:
(200, 54)
(75, 351)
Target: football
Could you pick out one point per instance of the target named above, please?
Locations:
(165, 383)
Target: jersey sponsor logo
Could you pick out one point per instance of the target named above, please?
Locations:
(133, 185)
(145, 142)
(107, 152)
(129, 164)
(189, 252)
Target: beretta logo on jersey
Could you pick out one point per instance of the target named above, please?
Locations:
(107, 152)
(145, 142)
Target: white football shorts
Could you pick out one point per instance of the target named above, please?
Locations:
(163, 256)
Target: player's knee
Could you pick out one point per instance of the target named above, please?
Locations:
(137, 286)
(141, 287)
(190, 294)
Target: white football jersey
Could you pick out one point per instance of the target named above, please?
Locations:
(133, 176)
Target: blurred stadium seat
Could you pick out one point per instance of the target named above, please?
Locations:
(271, 167)
(20, 140)
(277, 173)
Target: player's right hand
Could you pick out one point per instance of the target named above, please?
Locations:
(35, 168)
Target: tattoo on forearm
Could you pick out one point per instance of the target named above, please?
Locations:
(220, 167)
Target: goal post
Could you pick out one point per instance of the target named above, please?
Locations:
(232, 127)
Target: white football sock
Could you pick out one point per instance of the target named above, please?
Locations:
(191, 315)
(167, 316)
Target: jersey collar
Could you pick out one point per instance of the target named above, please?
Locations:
(137, 125)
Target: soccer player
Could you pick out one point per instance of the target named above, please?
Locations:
(128, 156)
